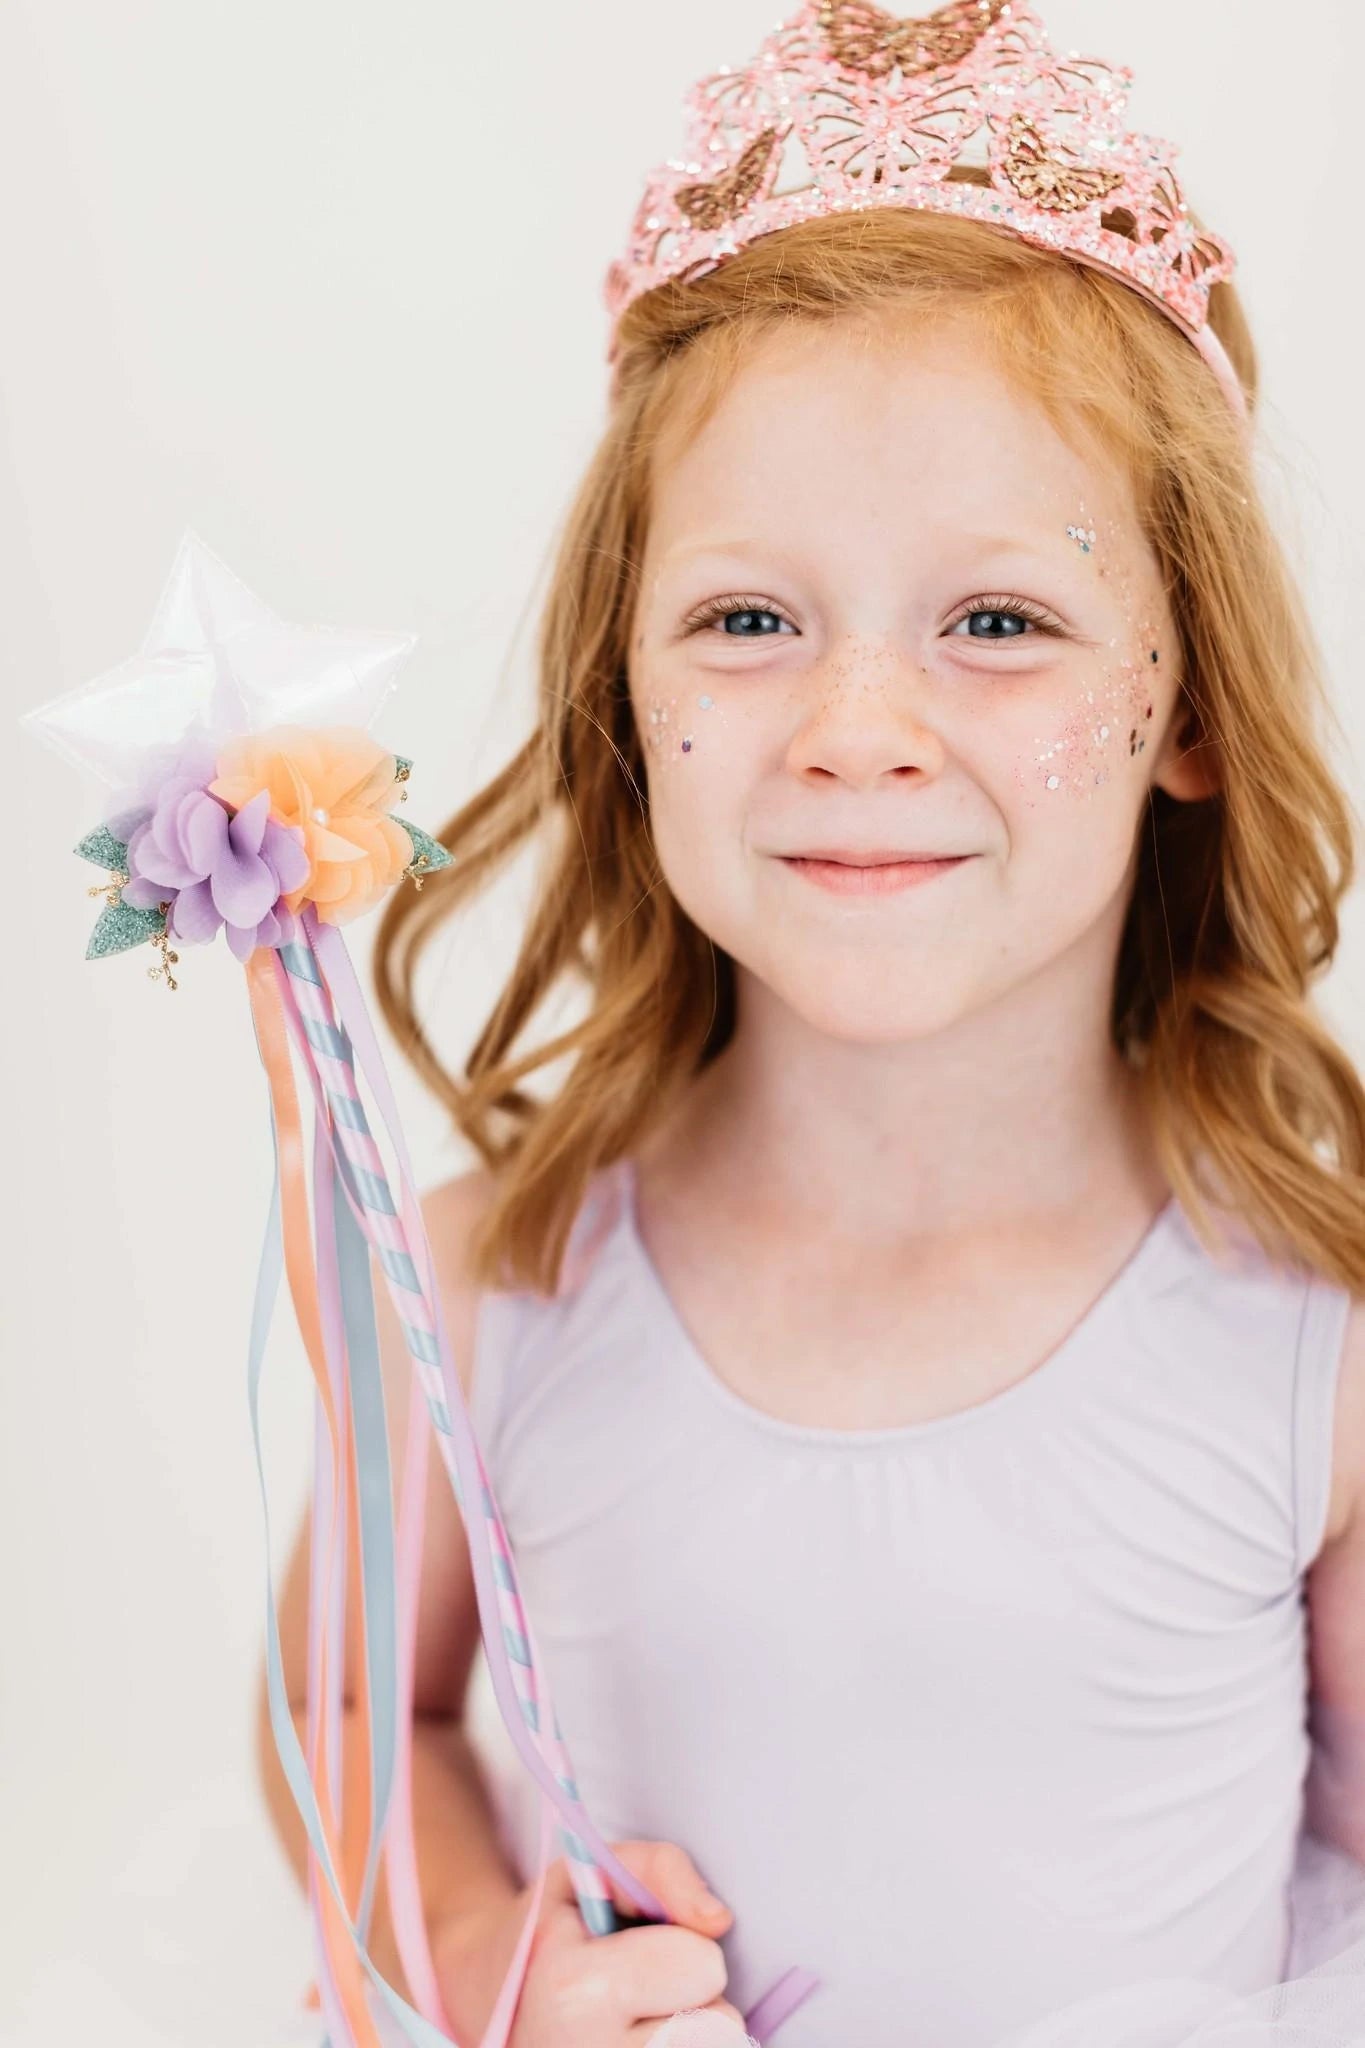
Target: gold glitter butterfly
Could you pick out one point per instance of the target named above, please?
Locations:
(866, 39)
(711, 204)
(1049, 180)
(1188, 248)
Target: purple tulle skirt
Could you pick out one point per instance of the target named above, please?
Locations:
(1318, 2003)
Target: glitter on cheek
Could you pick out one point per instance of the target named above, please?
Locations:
(658, 715)
(1117, 701)
(661, 725)
(1080, 758)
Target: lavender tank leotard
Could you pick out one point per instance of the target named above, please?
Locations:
(973, 1717)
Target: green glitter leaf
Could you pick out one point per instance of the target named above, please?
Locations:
(104, 850)
(423, 843)
(120, 926)
(400, 762)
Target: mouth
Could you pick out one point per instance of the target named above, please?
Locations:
(876, 874)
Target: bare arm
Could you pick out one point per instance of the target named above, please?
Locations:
(460, 1864)
(1336, 1611)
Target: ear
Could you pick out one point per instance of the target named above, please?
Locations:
(1188, 767)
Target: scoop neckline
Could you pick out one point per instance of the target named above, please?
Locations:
(1064, 1357)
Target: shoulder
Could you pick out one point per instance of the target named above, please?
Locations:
(451, 1210)
(1347, 1504)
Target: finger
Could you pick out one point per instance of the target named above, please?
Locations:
(663, 1868)
(655, 1971)
(674, 1878)
(716, 2026)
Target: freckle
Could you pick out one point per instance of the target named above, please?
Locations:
(1156, 656)
(1149, 710)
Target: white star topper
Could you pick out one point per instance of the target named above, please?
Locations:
(216, 662)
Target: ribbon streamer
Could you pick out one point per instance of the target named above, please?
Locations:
(319, 999)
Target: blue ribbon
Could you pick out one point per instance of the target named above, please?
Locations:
(369, 1427)
(413, 2026)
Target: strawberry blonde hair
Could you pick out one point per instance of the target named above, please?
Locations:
(1234, 911)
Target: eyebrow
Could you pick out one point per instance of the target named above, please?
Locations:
(981, 543)
(676, 556)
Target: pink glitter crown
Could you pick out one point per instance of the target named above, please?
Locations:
(846, 107)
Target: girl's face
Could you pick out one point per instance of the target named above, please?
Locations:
(885, 607)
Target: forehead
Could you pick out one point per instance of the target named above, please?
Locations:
(861, 426)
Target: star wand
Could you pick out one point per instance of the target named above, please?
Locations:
(250, 798)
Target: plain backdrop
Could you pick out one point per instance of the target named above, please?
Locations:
(323, 282)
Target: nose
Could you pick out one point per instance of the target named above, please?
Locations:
(867, 713)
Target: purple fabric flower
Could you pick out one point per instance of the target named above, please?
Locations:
(216, 869)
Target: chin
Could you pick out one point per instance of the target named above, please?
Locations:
(862, 1004)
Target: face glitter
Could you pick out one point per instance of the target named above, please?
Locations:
(1117, 688)
(656, 731)
(687, 744)
(707, 702)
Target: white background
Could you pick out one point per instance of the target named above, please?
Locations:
(322, 281)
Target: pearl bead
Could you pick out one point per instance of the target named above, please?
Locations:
(323, 817)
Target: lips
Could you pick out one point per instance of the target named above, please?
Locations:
(881, 857)
(867, 877)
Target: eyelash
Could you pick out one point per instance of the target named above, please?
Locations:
(1019, 607)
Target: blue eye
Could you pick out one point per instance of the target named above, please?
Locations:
(738, 624)
(743, 618)
(1001, 618)
(993, 626)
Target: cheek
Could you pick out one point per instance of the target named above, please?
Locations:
(676, 725)
(1098, 742)
(695, 764)
(1099, 738)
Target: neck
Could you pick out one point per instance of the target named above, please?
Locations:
(1018, 1107)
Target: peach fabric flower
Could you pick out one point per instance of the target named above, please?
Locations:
(335, 783)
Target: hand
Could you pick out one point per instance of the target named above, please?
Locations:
(586, 1990)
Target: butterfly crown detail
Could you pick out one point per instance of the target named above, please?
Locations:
(846, 107)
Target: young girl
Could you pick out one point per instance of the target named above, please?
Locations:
(918, 1339)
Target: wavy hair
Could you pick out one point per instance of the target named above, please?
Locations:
(1235, 907)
